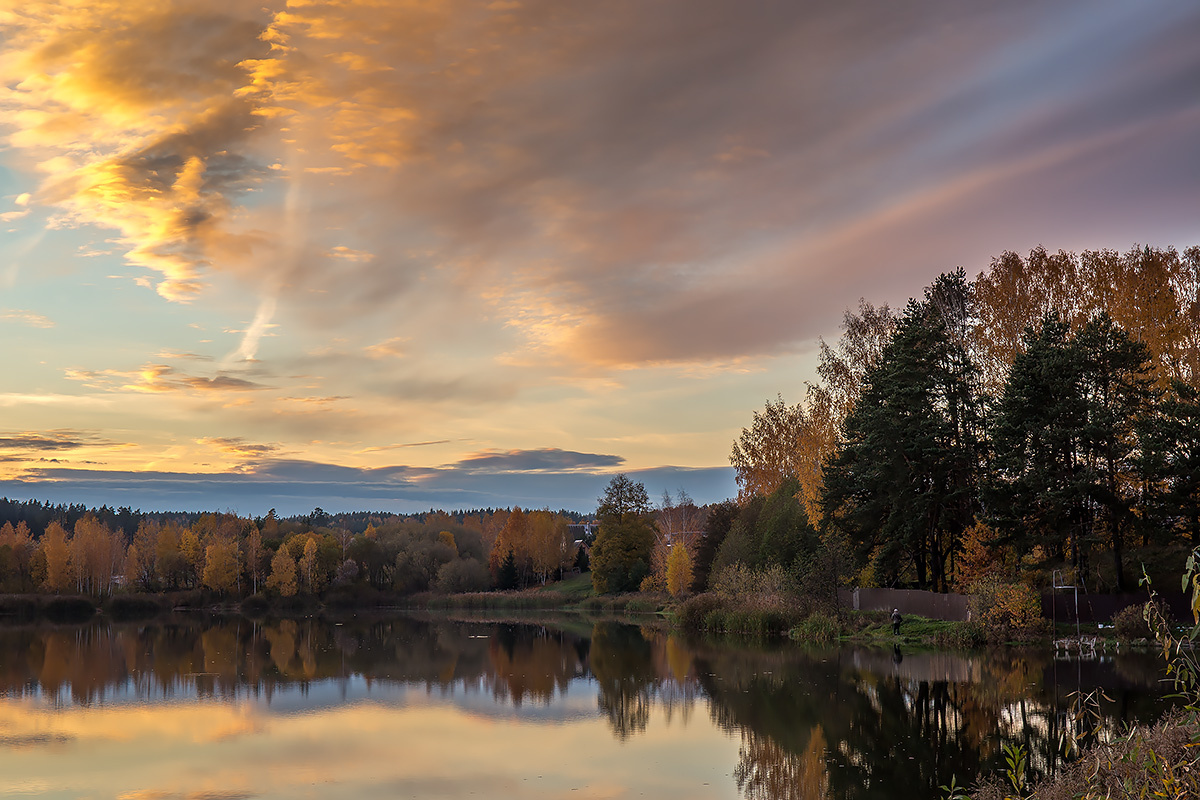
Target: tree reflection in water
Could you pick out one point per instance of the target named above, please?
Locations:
(813, 724)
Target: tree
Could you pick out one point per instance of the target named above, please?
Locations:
(1065, 437)
(678, 522)
(1170, 463)
(283, 573)
(1118, 387)
(765, 454)
(621, 555)
(134, 570)
(96, 554)
(1035, 493)
(623, 496)
(192, 550)
(255, 554)
(902, 486)
(843, 368)
(716, 527)
(513, 540)
(169, 562)
(221, 567)
(54, 546)
(549, 542)
(679, 570)
(308, 565)
(506, 574)
(22, 547)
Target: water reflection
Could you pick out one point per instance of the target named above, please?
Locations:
(781, 723)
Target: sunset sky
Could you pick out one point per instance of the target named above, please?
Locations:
(386, 255)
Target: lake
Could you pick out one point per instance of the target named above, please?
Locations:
(416, 706)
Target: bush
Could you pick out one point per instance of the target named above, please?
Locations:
(738, 583)
(653, 584)
(18, 607)
(462, 575)
(69, 609)
(642, 605)
(135, 606)
(690, 614)
(256, 605)
(1130, 623)
(1002, 612)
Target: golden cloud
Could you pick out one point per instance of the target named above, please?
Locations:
(159, 379)
(140, 129)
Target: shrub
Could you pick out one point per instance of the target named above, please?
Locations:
(1130, 623)
(1002, 612)
(738, 583)
(69, 609)
(642, 605)
(135, 606)
(462, 575)
(256, 605)
(18, 607)
(653, 583)
(691, 613)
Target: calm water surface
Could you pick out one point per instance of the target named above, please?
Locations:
(224, 709)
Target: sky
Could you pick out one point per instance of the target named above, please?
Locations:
(393, 256)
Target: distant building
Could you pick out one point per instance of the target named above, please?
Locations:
(583, 532)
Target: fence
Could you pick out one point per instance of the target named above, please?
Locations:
(910, 601)
(1058, 605)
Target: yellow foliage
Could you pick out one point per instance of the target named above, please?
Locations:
(283, 573)
(978, 560)
(221, 567)
(679, 570)
(1006, 610)
(54, 545)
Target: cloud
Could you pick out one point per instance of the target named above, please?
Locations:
(609, 185)
(295, 486)
(155, 153)
(390, 348)
(405, 445)
(160, 379)
(546, 459)
(51, 441)
(31, 318)
(238, 447)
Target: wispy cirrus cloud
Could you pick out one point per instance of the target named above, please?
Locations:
(31, 318)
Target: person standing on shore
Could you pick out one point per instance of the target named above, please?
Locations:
(896, 619)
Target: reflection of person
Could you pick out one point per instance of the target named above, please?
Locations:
(896, 621)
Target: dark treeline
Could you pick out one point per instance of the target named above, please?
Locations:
(1041, 419)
